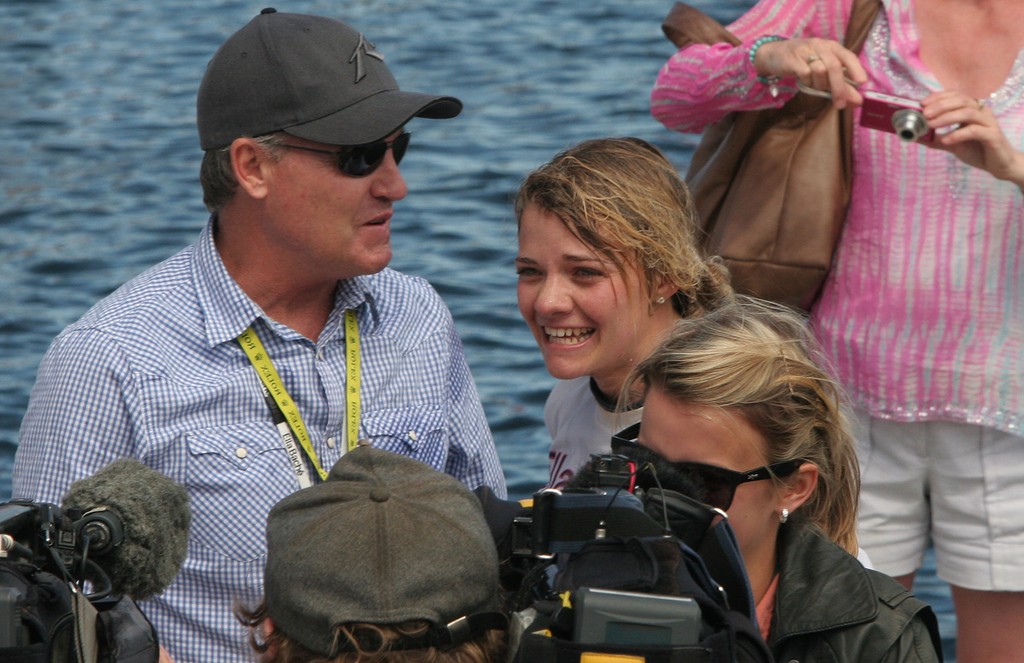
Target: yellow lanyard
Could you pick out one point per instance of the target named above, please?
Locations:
(352, 404)
(260, 360)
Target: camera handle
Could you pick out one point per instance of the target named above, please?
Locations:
(8, 545)
(564, 522)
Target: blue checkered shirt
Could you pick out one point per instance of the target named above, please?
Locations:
(153, 372)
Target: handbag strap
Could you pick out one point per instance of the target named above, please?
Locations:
(862, 17)
(687, 25)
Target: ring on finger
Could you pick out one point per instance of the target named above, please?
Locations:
(812, 58)
(981, 104)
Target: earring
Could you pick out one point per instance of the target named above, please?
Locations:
(659, 300)
(784, 516)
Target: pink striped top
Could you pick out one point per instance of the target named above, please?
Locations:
(923, 313)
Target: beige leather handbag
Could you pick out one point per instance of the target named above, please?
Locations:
(772, 186)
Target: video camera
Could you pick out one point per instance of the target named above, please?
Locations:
(68, 539)
(70, 574)
(48, 566)
(618, 563)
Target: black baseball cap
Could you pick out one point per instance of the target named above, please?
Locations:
(310, 76)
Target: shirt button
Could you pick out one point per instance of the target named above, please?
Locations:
(241, 452)
(330, 442)
(319, 354)
(413, 436)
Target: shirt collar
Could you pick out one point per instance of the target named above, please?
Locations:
(609, 404)
(228, 311)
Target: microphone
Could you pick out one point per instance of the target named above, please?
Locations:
(137, 520)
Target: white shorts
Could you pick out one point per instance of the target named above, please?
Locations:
(958, 486)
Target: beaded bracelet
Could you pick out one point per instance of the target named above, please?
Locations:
(758, 43)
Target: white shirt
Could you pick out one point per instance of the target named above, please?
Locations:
(579, 427)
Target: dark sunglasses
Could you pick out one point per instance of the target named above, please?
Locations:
(361, 160)
(718, 485)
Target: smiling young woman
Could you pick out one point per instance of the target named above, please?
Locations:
(607, 263)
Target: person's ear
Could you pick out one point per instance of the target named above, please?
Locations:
(662, 292)
(666, 290)
(251, 163)
(799, 487)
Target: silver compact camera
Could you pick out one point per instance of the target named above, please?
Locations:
(897, 115)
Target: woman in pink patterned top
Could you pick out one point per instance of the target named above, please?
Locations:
(923, 312)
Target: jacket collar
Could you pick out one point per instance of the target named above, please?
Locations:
(821, 587)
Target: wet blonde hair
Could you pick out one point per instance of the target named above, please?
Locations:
(759, 360)
(626, 201)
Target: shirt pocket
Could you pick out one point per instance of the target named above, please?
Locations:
(236, 473)
(420, 433)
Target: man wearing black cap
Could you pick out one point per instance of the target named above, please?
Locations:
(252, 360)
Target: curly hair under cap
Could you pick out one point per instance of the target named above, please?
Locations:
(626, 201)
(278, 647)
(759, 359)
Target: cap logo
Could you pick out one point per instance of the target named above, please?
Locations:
(363, 49)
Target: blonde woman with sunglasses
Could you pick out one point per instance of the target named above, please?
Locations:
(738, 402)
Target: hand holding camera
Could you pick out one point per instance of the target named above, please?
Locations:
(946, 120)
(977, 140)
(951, 121)
(824, 65)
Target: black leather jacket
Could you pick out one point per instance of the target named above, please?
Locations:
(829, 608)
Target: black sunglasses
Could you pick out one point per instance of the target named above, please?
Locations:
(718, 485)
(361, 160)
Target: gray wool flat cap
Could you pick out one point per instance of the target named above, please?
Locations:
(386, 539)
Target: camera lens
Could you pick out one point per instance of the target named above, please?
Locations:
(103, 528)
(909, 124)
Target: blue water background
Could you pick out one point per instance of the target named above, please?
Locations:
(98, 173)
